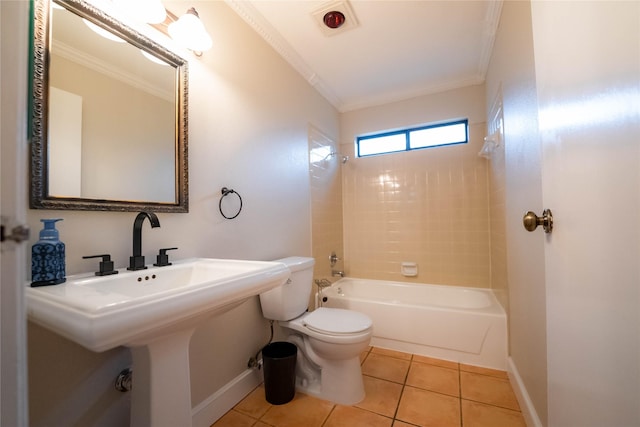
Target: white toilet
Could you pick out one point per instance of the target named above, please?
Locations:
(329, 340)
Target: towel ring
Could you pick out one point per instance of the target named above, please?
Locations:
(225, 192)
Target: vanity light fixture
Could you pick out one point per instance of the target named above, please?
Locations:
(189, 32)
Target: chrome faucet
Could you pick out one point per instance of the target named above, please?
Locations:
(136, 261)
(336, 273)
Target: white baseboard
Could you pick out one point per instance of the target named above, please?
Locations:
(219, 403)
(526, 405)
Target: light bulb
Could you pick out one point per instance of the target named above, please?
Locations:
(189, 32)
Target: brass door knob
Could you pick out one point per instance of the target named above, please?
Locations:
(531, 221)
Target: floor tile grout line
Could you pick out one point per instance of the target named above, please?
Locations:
(492, 404)
(372, 412)
(404, 385)
(437, 392)
(395, 414)
(460, 395)
(333, 408)
(487, 375)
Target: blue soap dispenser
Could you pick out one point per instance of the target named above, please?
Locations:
(47, 256)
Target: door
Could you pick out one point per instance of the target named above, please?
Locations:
(14, 16)
(587, 59)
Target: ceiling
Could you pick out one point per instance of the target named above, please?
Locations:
(391, 50)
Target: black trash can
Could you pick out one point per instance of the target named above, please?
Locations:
(279, 360)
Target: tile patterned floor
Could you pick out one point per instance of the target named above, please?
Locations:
(403, 390)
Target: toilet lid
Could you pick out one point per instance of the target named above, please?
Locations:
(337, 321)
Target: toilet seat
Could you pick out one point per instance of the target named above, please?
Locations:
(336, 321)
(331, 326)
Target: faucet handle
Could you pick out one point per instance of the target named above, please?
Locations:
(106, 265)
(333, 258)
(162, 259)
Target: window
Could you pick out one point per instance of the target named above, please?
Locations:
(414, 138)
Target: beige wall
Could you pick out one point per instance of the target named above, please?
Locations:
(427, 206)
(249, 115)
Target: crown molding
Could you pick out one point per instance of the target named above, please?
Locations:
(491, 22)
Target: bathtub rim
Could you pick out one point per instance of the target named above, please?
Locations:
(495, 308)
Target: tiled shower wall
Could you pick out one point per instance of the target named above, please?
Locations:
(429, 206)
(497, 204)
(498, 226)
(326, 202)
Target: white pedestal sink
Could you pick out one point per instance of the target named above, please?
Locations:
(154, 312)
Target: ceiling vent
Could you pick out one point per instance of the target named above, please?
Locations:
(330, 18)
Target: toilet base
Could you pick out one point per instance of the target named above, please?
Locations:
(338, 381)
(338, 384)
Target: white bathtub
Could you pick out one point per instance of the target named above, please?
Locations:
(465, 325)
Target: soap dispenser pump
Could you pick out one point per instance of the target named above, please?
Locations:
(47, 256)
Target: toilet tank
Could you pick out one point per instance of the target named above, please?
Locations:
(290, 300)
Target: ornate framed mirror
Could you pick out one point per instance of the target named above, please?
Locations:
(108, 114)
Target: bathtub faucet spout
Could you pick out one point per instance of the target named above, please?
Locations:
(336, 273)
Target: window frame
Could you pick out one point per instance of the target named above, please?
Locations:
(407, 132)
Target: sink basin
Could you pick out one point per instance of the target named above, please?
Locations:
(154, 312)
(101, 313)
